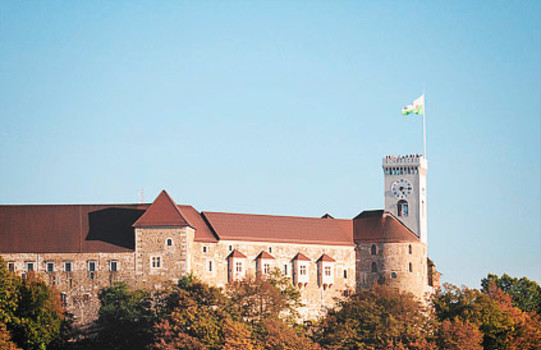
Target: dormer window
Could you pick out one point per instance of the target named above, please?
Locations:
(236, 262)
(264, 263)
(325, 271)
(300, 270)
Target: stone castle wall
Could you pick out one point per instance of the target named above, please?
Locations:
(393, 266)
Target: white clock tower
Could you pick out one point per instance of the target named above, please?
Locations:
(405, 191)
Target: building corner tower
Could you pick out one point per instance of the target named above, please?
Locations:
(405, 191)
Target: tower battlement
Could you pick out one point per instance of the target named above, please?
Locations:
(410, 159)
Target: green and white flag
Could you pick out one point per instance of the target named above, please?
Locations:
(417, 107)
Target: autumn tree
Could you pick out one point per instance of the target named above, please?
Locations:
(526, 294)
(379, 319)
(125, 318)
(29, 309)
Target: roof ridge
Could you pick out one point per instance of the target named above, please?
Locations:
(276, 216)
(154, 218)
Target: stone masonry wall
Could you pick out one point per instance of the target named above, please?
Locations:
(79, 288)
(316, 299)
(392, 262)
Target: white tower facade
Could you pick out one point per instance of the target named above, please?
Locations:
(405, 191)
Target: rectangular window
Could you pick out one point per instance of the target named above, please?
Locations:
(92, 266)
(67, 266)
(50, 266)
(345, 273)
(156, 262)
(230, 248)
(327, 271)
(302, 270)
(29, 266)
(285, 269)
(11, 266)
(238, 267)
(209, 266)
(204, 249)
(266, 269)
(113, 266)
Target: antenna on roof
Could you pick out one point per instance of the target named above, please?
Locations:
(142, 195)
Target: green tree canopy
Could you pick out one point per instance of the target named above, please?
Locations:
(526, 294)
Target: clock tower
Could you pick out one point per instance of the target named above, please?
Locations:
(405, 191)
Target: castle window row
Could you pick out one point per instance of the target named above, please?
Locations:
(67, 266)
(401, 171)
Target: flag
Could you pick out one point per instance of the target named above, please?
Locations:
(417, 107)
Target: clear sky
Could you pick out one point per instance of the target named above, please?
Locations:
(283, 107)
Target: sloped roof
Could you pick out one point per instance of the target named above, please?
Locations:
(280, 229)
(326, 258)
(203, 232)
(236, 254)
(265, 255)
(163, 212)
(381, 226)
(68, 228)
(302, 257)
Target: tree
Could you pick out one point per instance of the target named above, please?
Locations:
(5, 339)
(125, 318)
(459, 335)
(379, 319)
(29, 309)
(526, 294)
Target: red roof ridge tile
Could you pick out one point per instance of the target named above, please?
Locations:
(265, 255)
(163, 212)
(302, 257)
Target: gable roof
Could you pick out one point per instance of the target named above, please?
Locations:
(280, 229)
(326, 258)
(163, 212)
(265, 255)
(301, 257)
(381, 226)
(236, 254)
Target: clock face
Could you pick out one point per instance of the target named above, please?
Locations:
(401, 188)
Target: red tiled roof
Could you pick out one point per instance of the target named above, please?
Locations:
(281, 229)
(163, 212)
(265, 255)
(302, 257)
(236, 254)
(326, 258)
(203, 233)
(381, 226)
(68, 228)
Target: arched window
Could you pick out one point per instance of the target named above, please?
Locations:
(169, 242)
(403, 209)
(374, 267)
(410, 250)
(373, 249)
(393, 275)
(411, 267)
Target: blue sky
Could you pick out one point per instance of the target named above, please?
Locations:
(283, 108)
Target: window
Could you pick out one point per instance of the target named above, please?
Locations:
(113, 266)
(156, 262)
(410, 267)
(270, 249)
(266, 268)
(393, 275)
(11, 266)
(91, 266)
(230, 248)
(209, 266)
(403, 209)
(373, 249)
(92, 275)
(410, 249)
(205, 249)
(327, 271)
(302, 270)
(49, 266)
(169, 242)
(238, 267)
(67, 266)
(374, 267)
(345, 273)
(63, 299)
(285, 269)
(29, 266)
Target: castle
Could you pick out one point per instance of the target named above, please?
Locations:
(80, 249)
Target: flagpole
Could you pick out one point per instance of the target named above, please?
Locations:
(424, 124)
